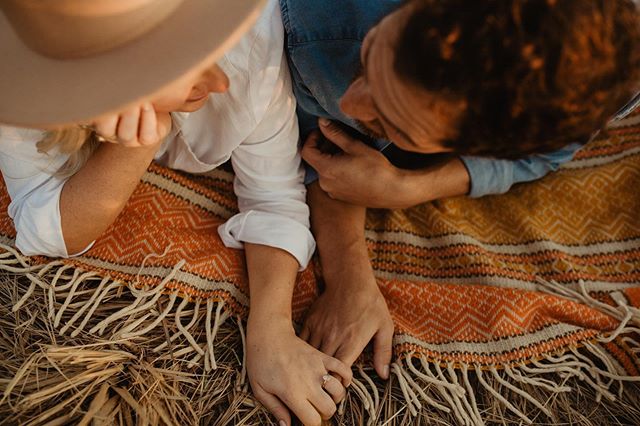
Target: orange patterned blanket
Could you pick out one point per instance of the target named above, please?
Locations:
(498, 302)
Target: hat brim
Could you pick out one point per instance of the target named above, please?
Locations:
(37, 91)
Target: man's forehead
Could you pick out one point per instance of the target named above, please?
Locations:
(415, 111)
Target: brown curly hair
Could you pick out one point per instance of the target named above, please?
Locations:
(535, 75)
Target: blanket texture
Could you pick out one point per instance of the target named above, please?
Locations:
(519, 308)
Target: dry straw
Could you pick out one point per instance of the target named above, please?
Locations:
(77, 348)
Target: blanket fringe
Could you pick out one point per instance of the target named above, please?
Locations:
(76, 300)
(66, 286)
(448, 388)
(628, 316)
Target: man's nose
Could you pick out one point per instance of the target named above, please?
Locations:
(357, 102)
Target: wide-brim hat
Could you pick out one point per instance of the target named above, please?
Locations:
(67, 61)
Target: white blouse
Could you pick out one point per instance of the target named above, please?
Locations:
(253, 124)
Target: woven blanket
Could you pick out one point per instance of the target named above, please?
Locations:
(515, 308)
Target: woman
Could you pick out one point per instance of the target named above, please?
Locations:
(69, 184)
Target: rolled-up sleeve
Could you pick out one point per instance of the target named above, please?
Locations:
(36, 217)
(493, 176)
(269, 183)
(35, 194)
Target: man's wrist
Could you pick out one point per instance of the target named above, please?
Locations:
(343, 268)
(269, 319)
(449, 179)
(417, 185)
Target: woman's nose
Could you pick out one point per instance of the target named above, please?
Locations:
(357, 102)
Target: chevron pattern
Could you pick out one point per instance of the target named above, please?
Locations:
(459, 275)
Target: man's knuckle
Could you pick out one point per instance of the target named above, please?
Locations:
(315, 419)
(286, 396)
(329, 412)
(343, 392)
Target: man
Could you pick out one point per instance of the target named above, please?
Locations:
(509, 89)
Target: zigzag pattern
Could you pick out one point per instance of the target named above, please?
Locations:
(444, 313)
(569, 207)
(575, 207)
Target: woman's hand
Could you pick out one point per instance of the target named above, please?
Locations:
(284, 371)
(135, 127)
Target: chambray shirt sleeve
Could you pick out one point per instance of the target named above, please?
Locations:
(35, 193)
(269, 183)
(493, 176)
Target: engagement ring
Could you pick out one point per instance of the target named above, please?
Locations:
(112, 139)
(325, 379)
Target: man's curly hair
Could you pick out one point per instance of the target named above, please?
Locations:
(535, 75)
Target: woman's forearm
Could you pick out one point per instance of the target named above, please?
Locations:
(272, 277)
(93, 197)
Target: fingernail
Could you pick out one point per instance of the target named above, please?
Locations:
(385, 372)
(283, 423)
(324, 122)
(147, 106)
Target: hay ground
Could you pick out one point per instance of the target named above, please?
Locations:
(51, 379)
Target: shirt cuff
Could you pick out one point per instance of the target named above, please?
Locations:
(497, 176)
(488, 176)
(271, 230)
(80, 253)
(38, 223)
(48, 243)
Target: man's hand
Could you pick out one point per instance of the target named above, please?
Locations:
(362, 176)
(284, 371)
(347, 316)
(359, 175)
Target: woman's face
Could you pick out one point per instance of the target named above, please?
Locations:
(190, 92)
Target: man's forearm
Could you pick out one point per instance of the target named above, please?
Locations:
(339, 231)
(445, 180)
(93, 197)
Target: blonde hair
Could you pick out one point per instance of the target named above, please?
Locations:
(79, 143)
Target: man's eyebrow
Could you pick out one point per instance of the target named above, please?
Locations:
(375, 105)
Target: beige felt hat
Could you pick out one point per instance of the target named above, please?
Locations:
(65, 61)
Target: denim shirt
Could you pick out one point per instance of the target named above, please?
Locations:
(323, 40)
